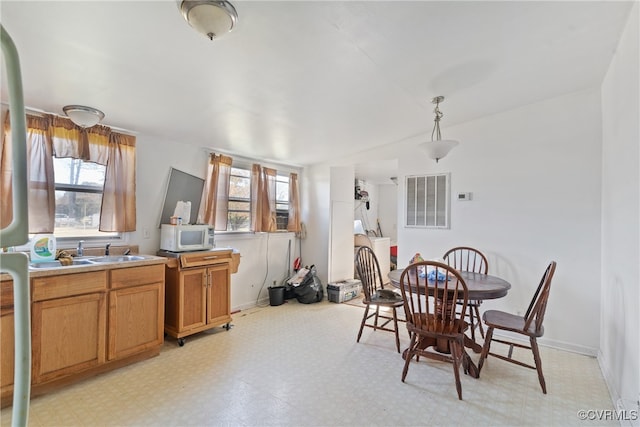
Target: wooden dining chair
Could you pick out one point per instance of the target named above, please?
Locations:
(375, 296)
(433, 321)
(464, 258)
(529, 325)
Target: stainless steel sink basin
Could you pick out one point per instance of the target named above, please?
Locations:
(58, 264)
(116, 258)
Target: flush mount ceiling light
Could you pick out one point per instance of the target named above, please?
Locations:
(83, 116)
(438, 147)
(209, 17)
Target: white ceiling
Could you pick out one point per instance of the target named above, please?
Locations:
(304, 82)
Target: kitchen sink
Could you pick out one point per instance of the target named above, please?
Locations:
(115, 258)
(56, 264)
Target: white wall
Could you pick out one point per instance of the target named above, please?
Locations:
(534, 173)
(620, 322)
(314, 190)
(264, 258)
(341, 225)
(388, 211)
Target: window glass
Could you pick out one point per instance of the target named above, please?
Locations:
(282, 201)
(239, 214)
(78, 186)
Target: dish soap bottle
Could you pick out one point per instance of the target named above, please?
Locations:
(43, 248)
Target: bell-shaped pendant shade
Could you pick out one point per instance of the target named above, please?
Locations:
(438, 149)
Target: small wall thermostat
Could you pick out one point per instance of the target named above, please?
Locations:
(464, 196)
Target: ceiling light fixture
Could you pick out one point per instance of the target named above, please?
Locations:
(85, 117)
(438, 147)
(209, 17)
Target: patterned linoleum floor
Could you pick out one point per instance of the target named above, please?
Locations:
(299, 365)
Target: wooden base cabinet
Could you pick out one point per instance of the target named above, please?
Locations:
(68, 324)
(84, 323)
(197, 293)
(6, 336)
(136, 304)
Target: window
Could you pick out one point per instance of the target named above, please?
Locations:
(240, 205)
(427, 201)
(78, 186)
(239, 213)
(282, 201)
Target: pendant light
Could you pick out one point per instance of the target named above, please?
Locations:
(438, 147)
(209, 17)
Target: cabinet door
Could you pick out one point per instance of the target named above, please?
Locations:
(193, 292)
(68, 335)
(6, 336)
(6, 351)
(219, 295)
(135, 319)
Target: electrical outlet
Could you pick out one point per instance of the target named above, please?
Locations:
(146, 233)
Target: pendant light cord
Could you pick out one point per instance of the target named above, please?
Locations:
(436, 126)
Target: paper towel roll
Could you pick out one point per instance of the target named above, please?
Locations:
(183, 210)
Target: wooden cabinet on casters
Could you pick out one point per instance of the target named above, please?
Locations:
(197, 293)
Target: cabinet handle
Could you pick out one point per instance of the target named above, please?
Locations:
(210, 257)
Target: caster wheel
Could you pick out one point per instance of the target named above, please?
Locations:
(181, 342)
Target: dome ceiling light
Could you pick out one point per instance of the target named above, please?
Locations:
(209, 17)
(85, 117)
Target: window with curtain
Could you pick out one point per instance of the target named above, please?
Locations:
(81, 181)
(427, 201)
(238, 198)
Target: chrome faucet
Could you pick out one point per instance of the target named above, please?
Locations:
(106, 249)
(80, 249)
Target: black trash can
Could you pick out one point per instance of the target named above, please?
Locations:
(276, 295)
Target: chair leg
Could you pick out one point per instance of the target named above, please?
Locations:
(364, 319)
(472, 323)
(376, 318)
(536, 358)
(455, 353)
(479, 320)
(395, 327)
(485, 349)
(408, 356)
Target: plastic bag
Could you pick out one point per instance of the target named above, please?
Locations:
(310, 289)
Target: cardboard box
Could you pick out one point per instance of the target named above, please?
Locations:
(344, 291)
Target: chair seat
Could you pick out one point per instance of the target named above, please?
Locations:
(386, 299)
(510, 322)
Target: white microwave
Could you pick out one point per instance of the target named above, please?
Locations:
(184, 238)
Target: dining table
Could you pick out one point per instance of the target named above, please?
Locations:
(479, 286)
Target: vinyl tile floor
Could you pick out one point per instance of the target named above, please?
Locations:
(300, 365)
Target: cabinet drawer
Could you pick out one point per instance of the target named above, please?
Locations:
(135, 276)
(199, 259)
(64, 285)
